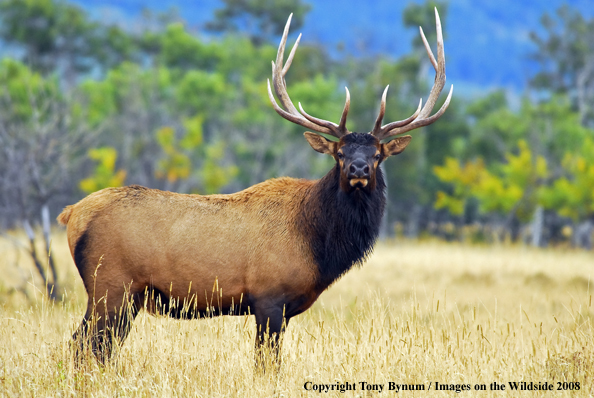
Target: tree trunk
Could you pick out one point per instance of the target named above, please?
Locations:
(414, 221)
(33, 252)
(46, 225)
(50, 286)
(582, 235)
(537, 226)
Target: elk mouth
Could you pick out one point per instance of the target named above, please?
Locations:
(358, 182)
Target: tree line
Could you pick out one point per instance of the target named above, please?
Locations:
(85, 105)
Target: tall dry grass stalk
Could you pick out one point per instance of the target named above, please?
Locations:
(417, 313)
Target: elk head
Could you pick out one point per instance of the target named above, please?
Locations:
(359, 155)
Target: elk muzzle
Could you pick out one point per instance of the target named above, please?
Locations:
(358, 173)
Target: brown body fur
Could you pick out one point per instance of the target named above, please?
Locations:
(188, 239)
(245, 245)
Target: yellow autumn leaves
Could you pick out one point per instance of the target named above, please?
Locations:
(175, 163)
(520, 183)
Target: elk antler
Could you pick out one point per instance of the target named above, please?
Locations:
(290, 112)
(421, 117)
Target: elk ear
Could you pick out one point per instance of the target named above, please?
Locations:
(395, 146)
(320, 143)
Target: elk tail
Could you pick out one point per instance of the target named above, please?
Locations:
(65, 215)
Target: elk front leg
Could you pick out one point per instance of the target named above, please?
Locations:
(271, 324)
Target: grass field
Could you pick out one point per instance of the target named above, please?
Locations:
(418, 313)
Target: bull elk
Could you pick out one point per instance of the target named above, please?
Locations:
(271, 249)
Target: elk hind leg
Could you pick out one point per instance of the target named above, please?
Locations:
(101, 328)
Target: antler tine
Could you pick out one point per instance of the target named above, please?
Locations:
(296, 118)
(420, 122)
(421, 117)
(377, 129)
(279, 72)
(428, 48)
(378, 122)
(406, 121)
(321, 122)
(345, 112)
(332, 126)
(291, 56)
(290, 112)
(439, 67)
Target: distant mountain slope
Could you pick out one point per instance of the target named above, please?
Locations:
(487, 42)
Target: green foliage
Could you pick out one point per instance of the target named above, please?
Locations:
(423, 15)
(112, 46)
(488, 104)
(496, 127)
(463, 180)
(104, 175)
(193, 137)
(180, 49)
(22, 89)
(237, 57)
(100, 100)
(572, 195)
(510, 188)
(128, 82)
(175, 164)
(58, 36)
(45, 28)
(552, 127)
(559, 127)
(178, 161)
(513, 187)
(200, 91)
(214, 175)
(550, 167)
(564, 52)
(319, 97)
(260, 19)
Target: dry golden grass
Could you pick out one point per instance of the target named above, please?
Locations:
(416, 313)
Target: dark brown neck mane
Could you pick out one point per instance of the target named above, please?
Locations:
(341, 227)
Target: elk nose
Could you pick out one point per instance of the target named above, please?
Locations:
(359, 169)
